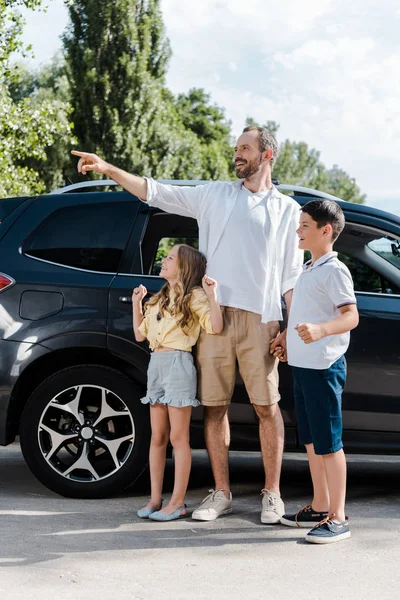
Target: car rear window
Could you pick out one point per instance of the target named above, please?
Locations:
(90, 237)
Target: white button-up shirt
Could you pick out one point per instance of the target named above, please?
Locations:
(322, 288)
(214, 206)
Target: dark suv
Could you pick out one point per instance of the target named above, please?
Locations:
(71, 373)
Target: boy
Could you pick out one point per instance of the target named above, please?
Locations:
(322, 314)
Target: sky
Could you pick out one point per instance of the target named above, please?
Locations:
(328, 71)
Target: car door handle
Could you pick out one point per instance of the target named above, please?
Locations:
(125, 299)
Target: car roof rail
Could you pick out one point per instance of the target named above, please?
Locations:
(296, 189)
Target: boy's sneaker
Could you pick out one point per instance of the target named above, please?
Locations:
(306, 517)
(272, 507)
(213, 506)
(328, 532)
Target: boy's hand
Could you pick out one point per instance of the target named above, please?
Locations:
(309, 332)
(138, 294)
(90, 162)
(210, 287)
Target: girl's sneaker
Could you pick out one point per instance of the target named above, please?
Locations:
(306, 517)
(328, 531)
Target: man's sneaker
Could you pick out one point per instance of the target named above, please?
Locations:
(328, 532)
(272, 508)
(213, 506)
(306, 517)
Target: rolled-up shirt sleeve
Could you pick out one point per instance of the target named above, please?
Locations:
(187, 201)
(293, 257)
(200, 306)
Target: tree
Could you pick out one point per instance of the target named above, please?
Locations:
(27, 127)
(117, 56)
(48, 85)
(212, 130)
(300, 165)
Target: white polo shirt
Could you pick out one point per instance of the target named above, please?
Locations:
(322, 288)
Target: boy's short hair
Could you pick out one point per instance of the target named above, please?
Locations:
(326, 212)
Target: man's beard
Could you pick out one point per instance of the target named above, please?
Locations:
(249, 169)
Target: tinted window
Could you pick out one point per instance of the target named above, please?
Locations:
(163, 231)
(388, 249)
(91, 237)
(366, 279)
(165, 245)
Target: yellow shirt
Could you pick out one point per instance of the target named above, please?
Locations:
(166, 332)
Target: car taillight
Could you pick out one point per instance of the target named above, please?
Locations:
(5, 281)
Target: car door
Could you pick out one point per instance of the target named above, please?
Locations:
(152, 236)
(371, 402)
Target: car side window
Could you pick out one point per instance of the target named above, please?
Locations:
(90, 237)
(387, 248)
(165, 245)
(366, 279)
(164, 231)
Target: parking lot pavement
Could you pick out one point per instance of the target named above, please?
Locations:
(98, 549)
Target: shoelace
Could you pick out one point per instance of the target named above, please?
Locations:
(301, 511)
(328, 520)
(270, 498)
(210, 498)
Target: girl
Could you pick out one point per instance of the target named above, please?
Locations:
(172, 325)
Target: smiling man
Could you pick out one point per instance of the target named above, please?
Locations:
(247, 230)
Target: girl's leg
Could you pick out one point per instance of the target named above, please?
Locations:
(320, 501)
(158, 449)
(179, 419)
(335, 469)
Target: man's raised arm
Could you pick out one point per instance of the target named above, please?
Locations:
(132, 183)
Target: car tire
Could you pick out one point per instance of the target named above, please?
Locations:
(84, 432)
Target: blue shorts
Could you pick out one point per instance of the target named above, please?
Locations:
(171, 379)
(318, 401)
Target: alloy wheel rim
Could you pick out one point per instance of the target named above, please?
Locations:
(86, 433)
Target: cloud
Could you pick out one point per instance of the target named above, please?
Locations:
(326, 70)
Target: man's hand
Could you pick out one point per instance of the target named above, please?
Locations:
(277, 347)
(90, 162)
(309, 332)
(210, 287)
(138, 294)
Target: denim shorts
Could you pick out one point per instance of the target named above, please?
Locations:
(318, 401)
(171, 379)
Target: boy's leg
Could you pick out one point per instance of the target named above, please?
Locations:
(320, 501)
(312, 514)
(335, 470)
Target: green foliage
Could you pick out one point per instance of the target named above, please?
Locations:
(122, 109)
(28, 127)
(300, 165)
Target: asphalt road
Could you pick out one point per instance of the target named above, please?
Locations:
(54, 547)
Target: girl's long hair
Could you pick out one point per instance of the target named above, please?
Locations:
(192, 266)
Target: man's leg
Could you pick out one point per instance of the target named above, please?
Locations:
(271, 439)
(216, 367)
(217, 436)
(216, 431)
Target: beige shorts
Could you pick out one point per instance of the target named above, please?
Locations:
(245, 340)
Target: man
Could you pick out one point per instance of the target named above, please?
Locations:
(247, 230)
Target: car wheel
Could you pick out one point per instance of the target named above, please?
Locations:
(84, 432)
